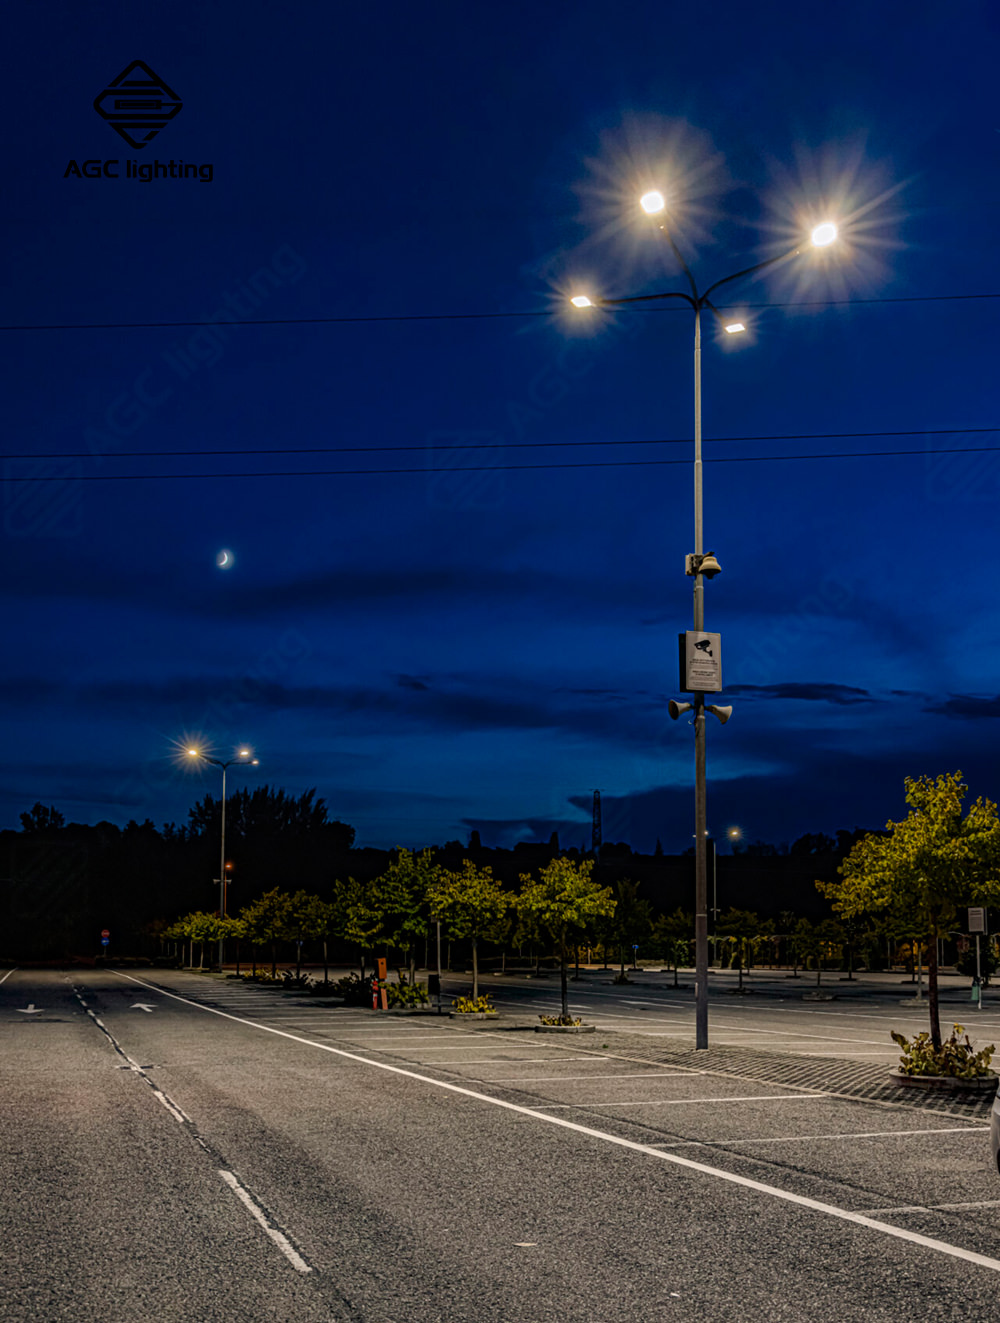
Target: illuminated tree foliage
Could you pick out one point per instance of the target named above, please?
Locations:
(470, 903)
(562, 901)
(924, 868)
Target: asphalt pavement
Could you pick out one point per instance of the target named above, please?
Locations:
(182, 1146)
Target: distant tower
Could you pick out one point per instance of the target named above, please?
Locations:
(595, 835)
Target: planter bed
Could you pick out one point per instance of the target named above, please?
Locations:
(947, 1083)
(565, 1028)
(474, 1015)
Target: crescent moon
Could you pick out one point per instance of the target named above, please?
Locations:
(224, 558)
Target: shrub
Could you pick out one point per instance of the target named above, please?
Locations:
(966, 963)
(354, 990)
(475, 1005)
(289, 979)
(406, 994)
(955, 1057)
(559, 1019)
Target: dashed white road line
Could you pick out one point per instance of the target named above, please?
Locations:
(717, 1173)
(282, 1241)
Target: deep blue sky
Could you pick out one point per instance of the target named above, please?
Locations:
(441, 650)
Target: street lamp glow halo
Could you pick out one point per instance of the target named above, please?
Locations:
(581, 301)
(652, 202)
(734, 328)
(823, 234)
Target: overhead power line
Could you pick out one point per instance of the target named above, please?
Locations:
(461, 316)
(506, 445)
(496, 468)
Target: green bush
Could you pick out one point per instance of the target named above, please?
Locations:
(475, 1005)
(289, 979)
(955, 1056)
(559, 1019)
(966, 963)
(406, 994)
(354, 990)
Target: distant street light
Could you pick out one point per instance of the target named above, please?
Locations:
(701, 565)
(243, 759)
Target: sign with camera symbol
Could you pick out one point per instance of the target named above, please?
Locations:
(700, 662)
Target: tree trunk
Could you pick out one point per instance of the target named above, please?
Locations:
(254, 957)
(475, 969)
(362, 966)
(676, 963)
(413, 967)
(932, 993)
(819, 968)
(201, 956)
(739, 961)
(326, 967)
(298, 960)
(538, 962)
(563, 984)
(237, 957)
(274, 960)
(577, 974)
(621, 962)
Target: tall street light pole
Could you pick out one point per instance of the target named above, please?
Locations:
(700, 565)
(243, 758)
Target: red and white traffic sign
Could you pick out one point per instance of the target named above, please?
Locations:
(105, 932)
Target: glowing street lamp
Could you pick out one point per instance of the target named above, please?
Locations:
(824, 234)
(700, 565)
(242, 759)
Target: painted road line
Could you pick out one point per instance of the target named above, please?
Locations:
(864, 1134)
(7, 975)
(667, 1073)
(680, 1102)
(279, 1238)
(936, 1208)
(717, 1173)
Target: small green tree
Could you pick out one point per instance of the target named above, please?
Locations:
(672, 936)
(817, 941)
(358, 915)
(746, 930)
(403, 891)
(922, 869)
(562, 901)
(632, 922)
(267, 921)
(308, 919)
(471, 903)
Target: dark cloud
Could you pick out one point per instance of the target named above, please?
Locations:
(965, 705)
(410, 682)
(842, 694)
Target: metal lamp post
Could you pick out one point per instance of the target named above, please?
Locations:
(699, 565)
(243, 759)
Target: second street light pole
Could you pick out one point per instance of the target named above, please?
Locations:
(241, 758)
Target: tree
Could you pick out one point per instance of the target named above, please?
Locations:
(358, 915)
(633, 920)
(403, 891)
(267, 921)
(308, 919)
(562, 901)
(268, 812)
(746, 930)
(817, 940)
(672, 934)
(40, 819)
(922, 869)
(470, 903)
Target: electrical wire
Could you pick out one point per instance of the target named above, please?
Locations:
(507, 445)
(497, 468)
(464, 316)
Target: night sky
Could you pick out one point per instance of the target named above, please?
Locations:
(446, 640)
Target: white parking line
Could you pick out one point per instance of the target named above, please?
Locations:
(667, 1073)
(866, 1134)
(717, 1173)
(936, 1208)
(7, 975)
(680, 1102)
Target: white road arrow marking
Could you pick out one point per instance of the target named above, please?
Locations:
(141, 1006)
(31, 1009)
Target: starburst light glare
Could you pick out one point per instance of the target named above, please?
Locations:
(824, 234)
(581, 301)
(194, 753)
(652, 202)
